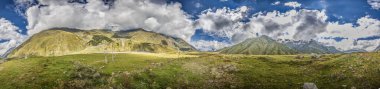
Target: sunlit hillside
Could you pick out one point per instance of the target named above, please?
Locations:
(64, 41)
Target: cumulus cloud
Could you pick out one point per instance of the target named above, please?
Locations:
(223, 0)
(292, 4)
(10, 34)
(150, 15)
(298, 25)
(22, 5)
(312, 24)
(366, 27)
(222, 22)
(198, 5)
(276, 3)
(375, 4)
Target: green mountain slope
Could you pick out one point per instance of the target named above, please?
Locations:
(259, 46)
(63, 41)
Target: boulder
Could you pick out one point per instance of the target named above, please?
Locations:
(309, 86)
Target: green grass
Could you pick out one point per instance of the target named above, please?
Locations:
(45, 72)
(208, 71)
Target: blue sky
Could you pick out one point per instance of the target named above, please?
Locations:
(349, 10)
(7, 11)
(340, 16)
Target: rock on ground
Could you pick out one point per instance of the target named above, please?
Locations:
(309, 86)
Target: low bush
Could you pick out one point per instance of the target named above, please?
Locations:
(98, 39)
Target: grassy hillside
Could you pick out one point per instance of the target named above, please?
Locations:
(194, 70)
(63, 41)
(259, 46)
(49, 43)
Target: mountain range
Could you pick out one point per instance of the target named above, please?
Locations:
(64, 41)
(265, 45)
(377, 49)
(311, 46)
(355, 50)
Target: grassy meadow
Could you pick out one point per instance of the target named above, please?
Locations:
(191, 70)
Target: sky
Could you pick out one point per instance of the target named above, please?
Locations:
(206, 24)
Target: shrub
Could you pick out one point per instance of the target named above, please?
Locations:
(83, 76)
(163, 42)
(299, 57)
(97, 39)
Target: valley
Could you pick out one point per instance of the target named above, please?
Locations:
(191, 70)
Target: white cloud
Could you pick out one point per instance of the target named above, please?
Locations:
(9, 32)
(204, 45)
(198, 5)
(298, 25)
(295, 25)
(276, 3)
(293, 4)
(22, 5)
(375, 4)
(163, 18)
(222, 22)
(223, 0)
(366, 27)
(313, 24)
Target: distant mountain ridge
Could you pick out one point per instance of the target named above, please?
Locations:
(7, 52)
(64, 41)
(377, 49)
(263, 45)
(355, 50)
(311, 46)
